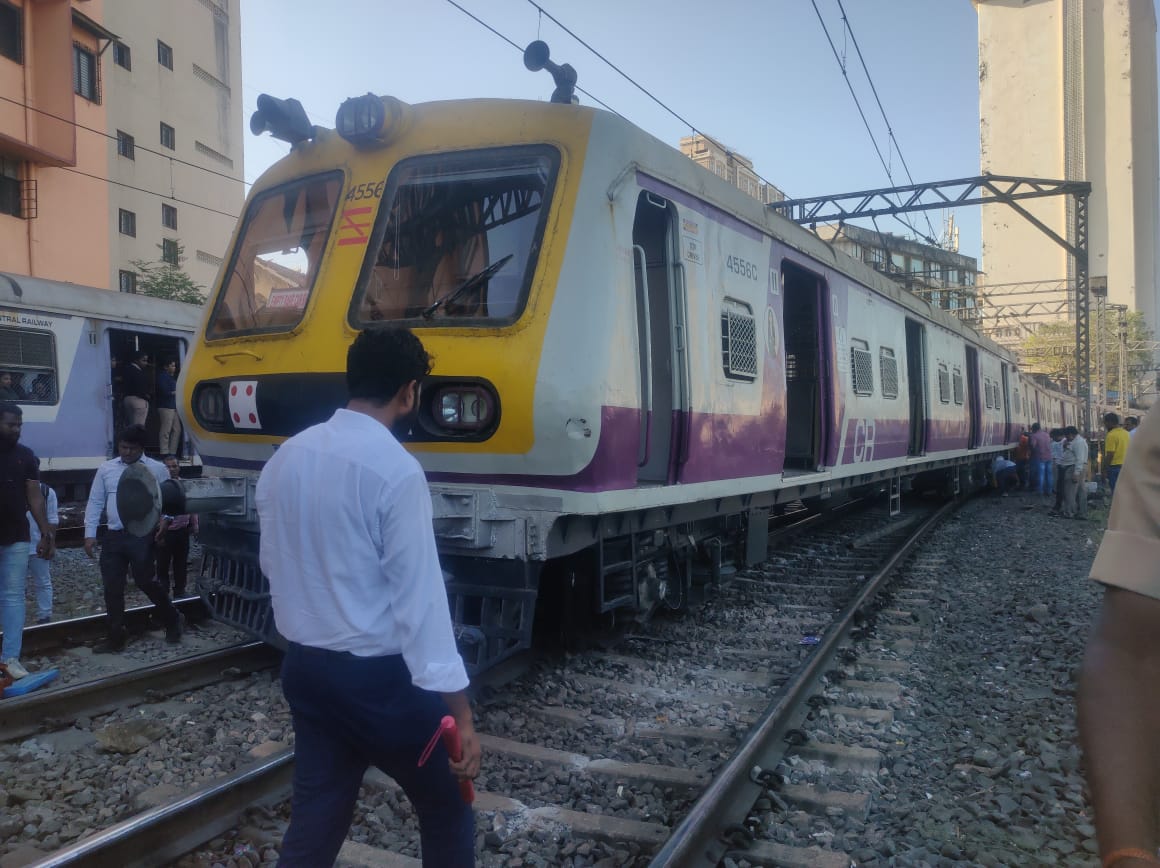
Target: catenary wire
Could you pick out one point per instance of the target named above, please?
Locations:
(862, 114)
(136, 147)
(881, 108)
(143, 190)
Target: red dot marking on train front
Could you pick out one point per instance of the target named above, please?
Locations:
(253, 419)
(237, 418)
(249, 391)
(233, 391)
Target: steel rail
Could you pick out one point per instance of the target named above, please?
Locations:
(41, 638)
(56, 709)
(164, 834)
(697, 840)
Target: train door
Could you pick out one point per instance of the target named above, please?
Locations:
(974, 411)
(123, 347)
(660, 306)
(916, 381)
(1006, 397)
(806, 348)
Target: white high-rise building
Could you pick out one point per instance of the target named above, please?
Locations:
(174, 80)
(1068, 90)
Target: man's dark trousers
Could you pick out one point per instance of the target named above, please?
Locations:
(174, 552)
(351, 713)
(122, 553)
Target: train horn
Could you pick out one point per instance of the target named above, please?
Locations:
(536, 58)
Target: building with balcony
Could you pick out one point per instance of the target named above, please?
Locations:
(120, 136)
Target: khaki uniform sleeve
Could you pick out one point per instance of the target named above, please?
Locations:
(1129, 556)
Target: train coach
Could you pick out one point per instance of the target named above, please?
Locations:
(634, 362)
(57, 346)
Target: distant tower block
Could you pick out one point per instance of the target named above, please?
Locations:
(1067, 89)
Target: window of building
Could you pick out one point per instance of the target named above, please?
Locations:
(122, 56)
(126, 145)
(888, 371)
(11, 33)
(957, 381)
(168, 136)
(916, 265)
(10, 188)
(169, 251)
(127, 222)
(168, 216)
(30, 357)
(897, 262)
(738, 341)
(164, 55)
(944, 383)
(85, 73)
(861, 367)
(128, 281)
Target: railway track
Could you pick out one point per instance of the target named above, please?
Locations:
(46, 638)
(693, 725)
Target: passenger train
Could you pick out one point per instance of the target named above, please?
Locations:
(59, 343)
(634, 362)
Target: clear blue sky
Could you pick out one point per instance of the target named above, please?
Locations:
(757, 75)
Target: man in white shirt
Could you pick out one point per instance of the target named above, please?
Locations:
(1075, 462)
(121, 551)
(348, 546)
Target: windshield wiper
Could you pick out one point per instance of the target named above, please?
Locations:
(471, 282)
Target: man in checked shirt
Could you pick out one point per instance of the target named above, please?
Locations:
(173, 541)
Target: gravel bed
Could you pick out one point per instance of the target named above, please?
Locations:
(982, 765)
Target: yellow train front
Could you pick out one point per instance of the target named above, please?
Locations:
(442, 217)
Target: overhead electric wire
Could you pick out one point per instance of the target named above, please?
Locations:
(143, 190)
(881, 108)
(520, 49)
(862, 114)
(728, 151)
(136, 147)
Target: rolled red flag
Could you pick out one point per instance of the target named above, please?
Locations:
(449, 732)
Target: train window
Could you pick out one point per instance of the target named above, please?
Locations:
(888, 370)
(457, 238)
(27, 366)
(738, 341)
(987, 393)
(276, 258)
(861, 367)
(957, 380)
(944, 383)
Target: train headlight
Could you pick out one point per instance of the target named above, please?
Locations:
(463, 408)
(370, 119)
(209, 406)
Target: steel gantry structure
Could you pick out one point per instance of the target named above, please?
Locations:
(979, 190)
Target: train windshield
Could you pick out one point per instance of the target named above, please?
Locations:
(276, 261)
(457, 238)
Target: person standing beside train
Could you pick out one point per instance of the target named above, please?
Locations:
(173, 541)
(1118, 704)
(1115, 448)
(123, 552)
(38, 565)
(1075, 460)
(170, 433)
(1040, 460)
(19, 495)
(348, 545)
(136, 385)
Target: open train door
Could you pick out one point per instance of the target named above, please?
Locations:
(660, 310)
(916, 385)
(974, 411)
(806, 354)
(1006, 394)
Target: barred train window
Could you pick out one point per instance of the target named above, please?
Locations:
(987, 393)
(888, 370)
(957, 378)
(27, 366)
(998, 397)
(861, 367)
(944, 383)
(738, 341)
